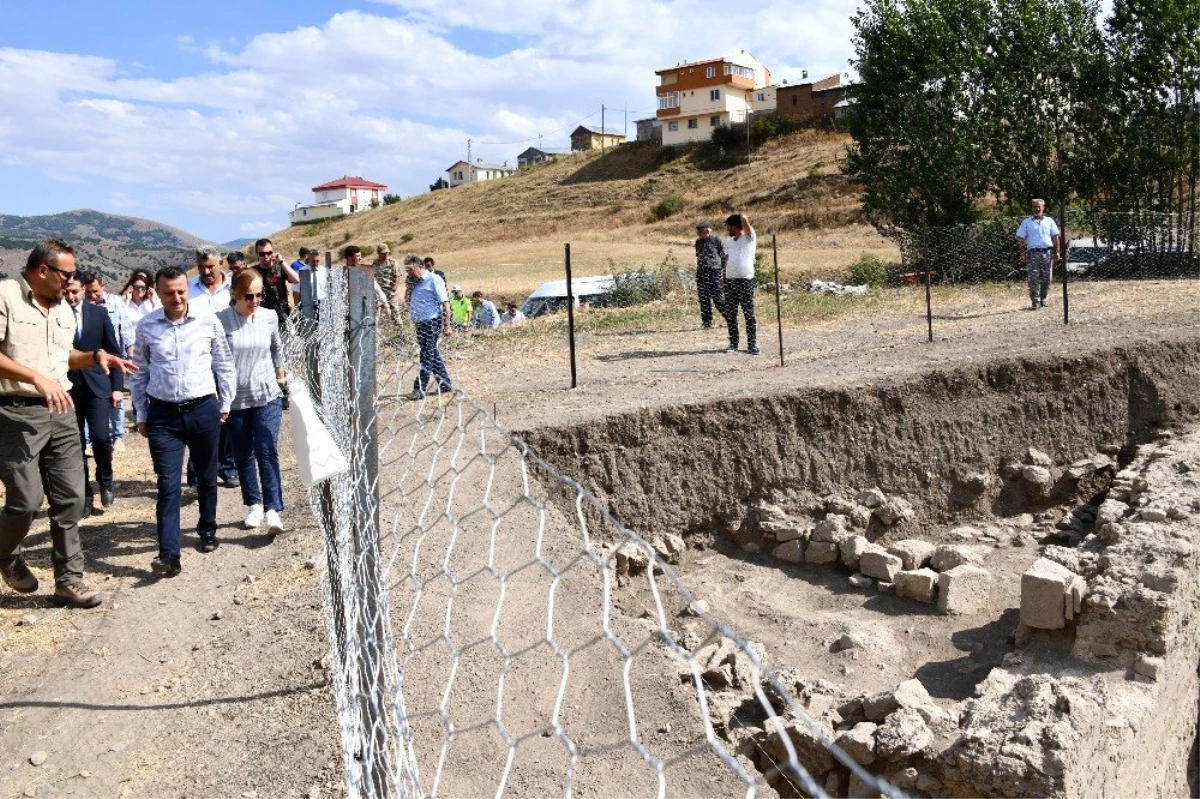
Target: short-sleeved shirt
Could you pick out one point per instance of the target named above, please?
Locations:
(34, 337)
(428, 294)
(275, 291)
(740, 254)
(1037, 235)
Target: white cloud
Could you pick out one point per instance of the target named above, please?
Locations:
(392, 96)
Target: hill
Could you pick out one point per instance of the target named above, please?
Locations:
(508, 234)
(110, 244)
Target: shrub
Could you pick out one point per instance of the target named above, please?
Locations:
(669, 206)
(665, 155)
(768, 126)
(726, 138)
(644, 285)
(407, 237)
(868, 270)
(764, 273)
(346, 237)
(391, 199)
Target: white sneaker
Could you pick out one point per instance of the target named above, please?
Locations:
(274, 523)
(253, 518)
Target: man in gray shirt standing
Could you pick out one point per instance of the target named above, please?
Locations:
(181, 397)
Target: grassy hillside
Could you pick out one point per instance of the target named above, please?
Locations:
(110, 244)
(505, 236)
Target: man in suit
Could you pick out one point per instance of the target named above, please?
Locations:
(95, 393)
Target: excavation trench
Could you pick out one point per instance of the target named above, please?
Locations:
(1087, 464)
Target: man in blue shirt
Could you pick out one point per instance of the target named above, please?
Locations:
(181, 398)
(429, 309)
(486, 317)
(1040, 242)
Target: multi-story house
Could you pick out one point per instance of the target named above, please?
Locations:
(346, 195)
(694, 98)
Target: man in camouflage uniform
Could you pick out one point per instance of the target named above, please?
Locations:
(710, 267)
(385, 273)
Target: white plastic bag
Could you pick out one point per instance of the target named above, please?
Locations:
(317, 455)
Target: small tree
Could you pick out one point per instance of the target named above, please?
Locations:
(439, 185)
(391, 199)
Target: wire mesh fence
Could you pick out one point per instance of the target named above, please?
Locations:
(494, 631)
(1099, 246)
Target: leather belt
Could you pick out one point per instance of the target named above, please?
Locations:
(181, 407)
(1038, 249)
(17, 401)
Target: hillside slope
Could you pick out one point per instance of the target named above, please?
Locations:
(108, 243)
(793, 182)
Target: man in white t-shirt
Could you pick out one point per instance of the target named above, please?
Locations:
(739, 281)
(1040, 242)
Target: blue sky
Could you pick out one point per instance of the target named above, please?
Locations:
(218, 117)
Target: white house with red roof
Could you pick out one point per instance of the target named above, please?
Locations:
(341, 197)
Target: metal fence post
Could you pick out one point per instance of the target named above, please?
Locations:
(1062, 262)
(371, 626)
(928, 287)
(570, 315)
(778, 302)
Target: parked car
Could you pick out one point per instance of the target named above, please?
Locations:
(551, 297)
(1084, 256)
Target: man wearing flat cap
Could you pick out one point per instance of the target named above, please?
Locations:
(710, 271)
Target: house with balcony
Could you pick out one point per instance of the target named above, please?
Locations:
(462, 172)
(342, 197)
(695, 97)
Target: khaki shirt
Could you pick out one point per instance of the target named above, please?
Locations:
(33, 337)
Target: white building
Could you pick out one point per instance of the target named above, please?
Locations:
(462, 172)
(694, 98)
(341, 197)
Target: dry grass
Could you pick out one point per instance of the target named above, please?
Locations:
(506, 237)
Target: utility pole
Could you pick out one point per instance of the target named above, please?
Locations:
(468, 152)
(626, 121)
(602, 129)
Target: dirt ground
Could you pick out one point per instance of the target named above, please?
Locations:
(210, 683)
(207, 684)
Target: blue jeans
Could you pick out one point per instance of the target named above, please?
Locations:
(431, 360)
(117, 417)
(254, 433)
(198, 430)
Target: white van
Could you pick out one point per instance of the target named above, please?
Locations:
(552, 297)
(1084, 255)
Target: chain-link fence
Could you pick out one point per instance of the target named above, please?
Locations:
(1099, 246)
(493, 630)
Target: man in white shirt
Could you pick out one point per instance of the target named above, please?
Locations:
(1040, 243)
(312, 263)
(208, 291)
(739, 281)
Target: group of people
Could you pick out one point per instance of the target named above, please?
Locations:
(203, 361)
(725, 278)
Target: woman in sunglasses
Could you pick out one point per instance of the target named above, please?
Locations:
(139, 296)
(253, 425)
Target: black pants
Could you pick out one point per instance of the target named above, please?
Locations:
(708, 287)
(739, 293)
(94, 412)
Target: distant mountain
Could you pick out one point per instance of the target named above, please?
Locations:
(237, 244)
(110, 244)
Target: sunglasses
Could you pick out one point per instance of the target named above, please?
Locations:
(139, 286)
(265, 253)
(65, 274)
(249, 297)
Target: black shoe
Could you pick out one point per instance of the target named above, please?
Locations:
(165, 567)
(106, 497)
(231, 482)
(208, 542)
(90, 509)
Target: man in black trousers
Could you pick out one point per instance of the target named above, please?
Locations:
(95, 393)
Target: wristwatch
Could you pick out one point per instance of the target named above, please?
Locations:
(96, 356)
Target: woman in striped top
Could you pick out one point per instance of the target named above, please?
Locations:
(253, 425)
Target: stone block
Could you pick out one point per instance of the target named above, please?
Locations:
(631, 559)
(880, 564)
(1047, 591)
(669, 547)
(912, 694)
(851, 550)
(965, 589)
(1150, 667)
(894, 511)
(836, 503)
(876, 707)
(885, 587)
(791, 551)
(829, 530)
(913, 552)
(903, 734)
(1038, 480)
(947, 556)
(1035, 457)
(821, 552)
(918, 584)
(871, 498)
